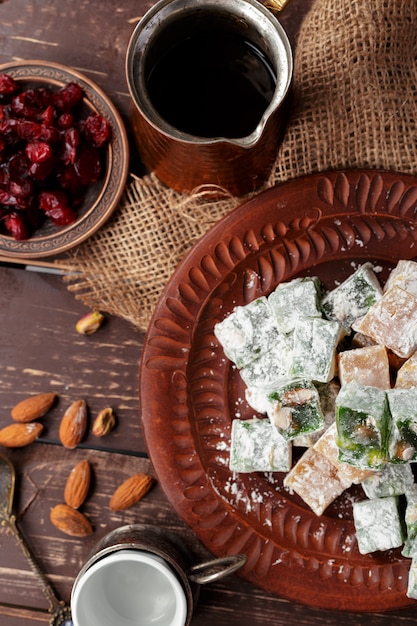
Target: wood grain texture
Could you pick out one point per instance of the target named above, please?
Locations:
(39, 348)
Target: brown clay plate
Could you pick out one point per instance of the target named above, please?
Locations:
(324, 225)
(102, 197)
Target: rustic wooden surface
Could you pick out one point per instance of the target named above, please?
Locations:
(40, 350)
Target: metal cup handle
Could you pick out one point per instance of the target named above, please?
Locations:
(216, 569)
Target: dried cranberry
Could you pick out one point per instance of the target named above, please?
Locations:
(38, 151)
(69, 179)
(21, 189)
(41, 171)
(28, 131)
(45, 144)
(48, 116)
(28, 104)
(64, 121)
(66, 98)
(55, 205)
(62, 215)
(71, 139)
(96, 130)
(7, 198)
(16, 226)
(8, 84)
(51, 199)
(50, 134)
(87, 164)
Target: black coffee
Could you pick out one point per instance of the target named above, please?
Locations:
(211, 83)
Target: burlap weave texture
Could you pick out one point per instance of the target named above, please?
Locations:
(354, 105)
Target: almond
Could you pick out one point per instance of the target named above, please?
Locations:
(19, 435)
(78, 484)
(33, 407)
(130, 491)
(70, 521)
(73, 424)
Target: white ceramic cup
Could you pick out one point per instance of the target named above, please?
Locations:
(129, 588)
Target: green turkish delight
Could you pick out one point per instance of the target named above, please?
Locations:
(363, 425)
(295, 409)
(271, 367)
(298, 298)
(378, 524)
(256, 447)
(314, 349)
(403, 408)
(352, 298)
(392, 480)
(247, 332)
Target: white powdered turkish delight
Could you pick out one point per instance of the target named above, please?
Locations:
(247, 332)
(404, 275)
(316, 481)
(256, 447)
(392, 322)
(403, 440)
(378, 524)
(352, 299)
(368, 366)
(363, 425)
(295, 409)
(271, 367)
(392, 480)
(298, 298)
(314, 349)
(410, 517)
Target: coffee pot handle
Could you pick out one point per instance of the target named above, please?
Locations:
(216, 569)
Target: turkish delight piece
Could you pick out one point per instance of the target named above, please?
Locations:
(295, 409)
(272, 366)
(407, 373)
(316, 481)
(410, 517)
(403, 439)
(353, 298)
(297, 298)
(314, 349)
(327, 394)
(403, 275)
(363, 425)
(377, 524)
(392, 322)
(327, 445)
(392, 480)
(255, 447)
(368, 366)
(247, 332)
(412, 580)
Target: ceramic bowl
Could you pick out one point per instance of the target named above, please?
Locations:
(103, 196)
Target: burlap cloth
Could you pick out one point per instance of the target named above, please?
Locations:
(354, 105)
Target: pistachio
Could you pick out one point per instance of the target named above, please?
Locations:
(89, 323)
(104, 422)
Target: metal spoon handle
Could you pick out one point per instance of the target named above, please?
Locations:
(61, 614)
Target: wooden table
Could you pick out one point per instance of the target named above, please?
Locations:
(41, 351)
